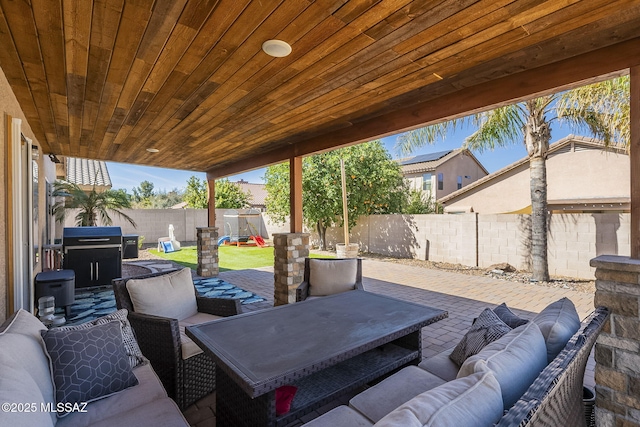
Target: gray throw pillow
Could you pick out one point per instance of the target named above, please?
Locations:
(87, 364)
(130, 343)
(487, 328)
(509, 317)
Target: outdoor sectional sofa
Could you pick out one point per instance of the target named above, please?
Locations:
(531, 376)
(29, 392)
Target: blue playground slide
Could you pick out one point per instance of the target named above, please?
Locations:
(223, 239)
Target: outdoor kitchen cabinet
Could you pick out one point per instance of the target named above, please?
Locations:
(94, 253)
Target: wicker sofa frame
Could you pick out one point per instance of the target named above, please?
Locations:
(302, 291)
(185, 381)
(555, 397)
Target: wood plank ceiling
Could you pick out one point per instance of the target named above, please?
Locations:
(110, 78)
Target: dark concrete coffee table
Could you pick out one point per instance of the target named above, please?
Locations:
(326, 347)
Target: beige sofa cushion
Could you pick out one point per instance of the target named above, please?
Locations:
(342, 416)
(332, 277)
(441, 365)
(158, 413)
(25, 373)
(169, 295)
(149, 389)
(190, 348)
(516, 360)
(469, 401)
(557, 322)
(377, 401)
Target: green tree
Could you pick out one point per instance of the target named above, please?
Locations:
(374, 186)
(601, 108)
(143, 194)
(165, 199)
(419, 203)
(196, 193)
(92, 205)
(229, 195)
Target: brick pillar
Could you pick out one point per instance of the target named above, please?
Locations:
(290, 250)
(618, 346)
(207, 251)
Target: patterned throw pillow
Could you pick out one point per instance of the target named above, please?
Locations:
(130, 343)
(509, 317)
(87, 364)
(487, 328)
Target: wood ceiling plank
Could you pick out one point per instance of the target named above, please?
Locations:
(364, 22)
(337, 109)
(133, 23)
(14, 73)
(241, 30)
(294, 115)
(199, 56)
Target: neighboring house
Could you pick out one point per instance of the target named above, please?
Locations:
(258, 194)
(582, 176)
(442, 173)
(87, 174)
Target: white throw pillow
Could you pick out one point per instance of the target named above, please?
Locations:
(557, 322)
(169, 295)
(332, 277)
(516, 360)
(470, 401)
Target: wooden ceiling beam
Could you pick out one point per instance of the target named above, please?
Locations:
(485, 96)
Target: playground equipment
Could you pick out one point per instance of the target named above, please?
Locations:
(242, 229)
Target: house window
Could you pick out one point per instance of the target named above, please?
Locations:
(459, 182)
(440, 181)
(426, 182)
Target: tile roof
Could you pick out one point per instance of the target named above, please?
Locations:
(430, 157)
(87, 172)
(258, 192)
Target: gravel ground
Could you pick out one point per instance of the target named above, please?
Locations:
(579, 285)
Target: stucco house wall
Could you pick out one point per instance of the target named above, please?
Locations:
(575, 171)
(10, 108)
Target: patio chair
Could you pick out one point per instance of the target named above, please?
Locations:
(186, 372)
(325, 276)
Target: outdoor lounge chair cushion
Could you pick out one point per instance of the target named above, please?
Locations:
(88, 364)
(474, 400)
(379, 400)
(332, 277)
(157, 413)
(557, 322)
(128, 337)
(169, 295)
(190, 348)
(516, 359)
(25, 370)
(509, 317)
(486, 329)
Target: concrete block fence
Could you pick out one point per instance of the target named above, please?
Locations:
(468, 239)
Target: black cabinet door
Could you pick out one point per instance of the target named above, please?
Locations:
(95, 266)
(107, 265)
(79, 261)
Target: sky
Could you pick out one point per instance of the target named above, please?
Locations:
(129, 176)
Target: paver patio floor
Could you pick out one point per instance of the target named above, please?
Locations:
(463, 296)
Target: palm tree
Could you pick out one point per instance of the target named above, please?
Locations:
(92, 205)
(601, 108)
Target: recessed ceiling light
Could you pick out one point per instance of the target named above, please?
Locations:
(153, 150)
(276, 48)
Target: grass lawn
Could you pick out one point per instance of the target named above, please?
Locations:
(230, 257)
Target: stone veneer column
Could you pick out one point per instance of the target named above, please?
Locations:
(207, 251)
(290, 250)
(618, 346)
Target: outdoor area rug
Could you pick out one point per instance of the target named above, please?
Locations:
(95, 302)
